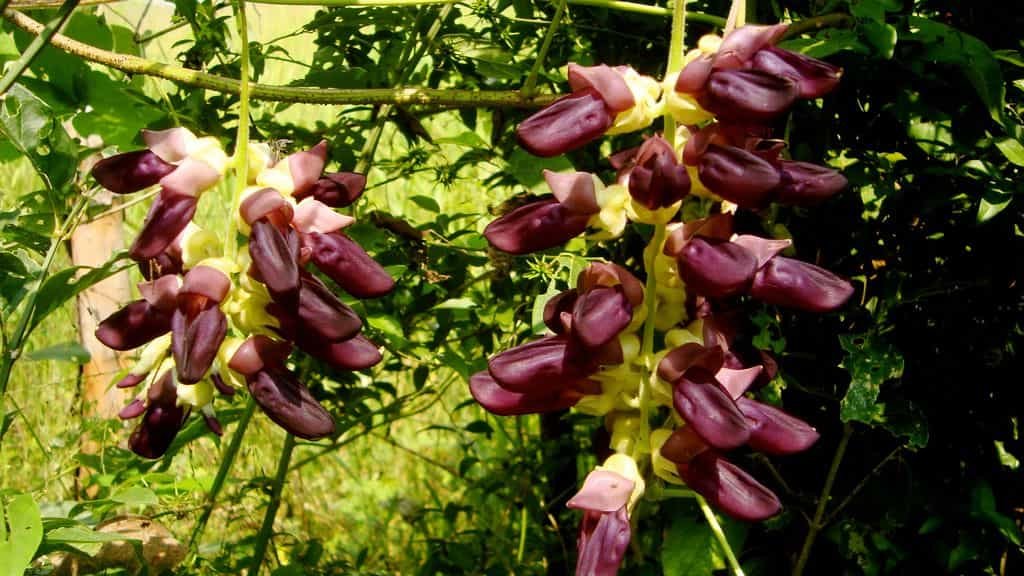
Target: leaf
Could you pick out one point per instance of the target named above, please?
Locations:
(81, 538)
(983, 507)
(66, 284)
(456, 304)
(882, 38)
(947, 45)
(18, 546)
(426, 202)
(528, 169)
(66, 352)
(468, 139)
(686, 549)
(1005, 457)
(870, 362)
(906, 420)
(32, 128)
(1012, 149)
(935, 138)
(991, 204)
(136, 496)
(537, 315)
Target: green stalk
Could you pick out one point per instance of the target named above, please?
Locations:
(226, 462)
(12, 352)
(30, 53)
(242, 138)
(355, 3)
(637, 8)
(723, 542)
(531, 81)
(647, 344)
(826, 492)
(267, 529)
(676, 47)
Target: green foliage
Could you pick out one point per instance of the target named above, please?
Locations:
(21, 531)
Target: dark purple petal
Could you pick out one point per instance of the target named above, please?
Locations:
(167, 262)
(803, 183)
(602, 542)
(345, 262)
(221, 385)
(356, 353)
(748, 95)
(716, 269)
(658, 179)
(694, 76)
(195, 340)
(729, 488)
(132, 326)
(796, 284)
(599, 315)
(323, 314)
(561, 303)
(536, 226)
(130, 380)
(775, 432)
(275, 256)
(168, 215)
(134, 409)
(203, 281)
(683, 445)
(502, 402)
(259, 353)
(679, 360)
(131, 171)
(213, 424)
(161, 422)
(336, 190)
(539, 367)
(738, 176)
(814, 77)
(566, 124)
(608, 274)
(709, 409)
(289, 404)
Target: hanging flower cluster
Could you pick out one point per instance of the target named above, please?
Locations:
(598, 358)
(207, 322)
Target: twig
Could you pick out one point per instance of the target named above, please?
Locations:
(443, 98)
(530, 85)
(723, 542)
(33, 49)
(826, 491)
(837, 20)
(860, 486)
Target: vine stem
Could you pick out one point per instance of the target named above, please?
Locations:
(529, 87)
(637, 8)
(723, 542)
(33, 49)
(242, 139)
(226, 461)
(267, 529)
(826, 491)
(675, 62)
(647, 344)
(441, 98)
(14, 344)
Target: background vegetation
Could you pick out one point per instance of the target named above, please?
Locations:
(915, 387)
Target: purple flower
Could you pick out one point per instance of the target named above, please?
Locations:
(604, 530)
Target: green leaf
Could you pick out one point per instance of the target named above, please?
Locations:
(537, 315)
(528, 170)
(81, 538)
(1012, 149)
(935, 138)
(906, 420)
(468, 139)
(67, 283)
(426, 202)
(136, 496)
(983, 507)
(947, 45)
(456, 304)
(18, 546)
(991, 204)
(31, 126)
(686, 549)
(66, 352)
(870, 362)
(1005, 457)
(882, 38)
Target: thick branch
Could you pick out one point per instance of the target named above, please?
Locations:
(313, 95)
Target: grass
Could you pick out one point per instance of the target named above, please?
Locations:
(375, 502)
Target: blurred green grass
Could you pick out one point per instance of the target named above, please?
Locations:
(370, 502)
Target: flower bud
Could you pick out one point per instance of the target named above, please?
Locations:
(567, 124)
(131, 171)
(729, 488)
(796, 284)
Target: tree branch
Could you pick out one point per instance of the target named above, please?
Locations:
(310, 95)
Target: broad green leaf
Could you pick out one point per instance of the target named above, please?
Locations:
(1005, 458)
(528, 170)
(870, 362)
(686, 549)
(934, 137)
(882, 38)
(991, 204)
(456, 304)
(32, 128)
(947, 45)
(537, 315)
(983, 507)
(67, 283)
(425, 202)
(905, 420)
(81, 538)
(1012, 149)
(468, 138)
(66, 352)
(136, 496)
(8, 50)
(19, 544)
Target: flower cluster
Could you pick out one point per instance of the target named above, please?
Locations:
(207, 322)
(727, 98)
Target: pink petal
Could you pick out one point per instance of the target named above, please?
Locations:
(739, 46)
(574, 190)
(306, 167)
(206, 281)
(609, 84)
(192, 178)
(736, 382)
(315, 216)
(263, 202)
(764, 248)
(602, 491)
(170, 145)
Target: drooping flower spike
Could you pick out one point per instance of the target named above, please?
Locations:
(206, 323)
